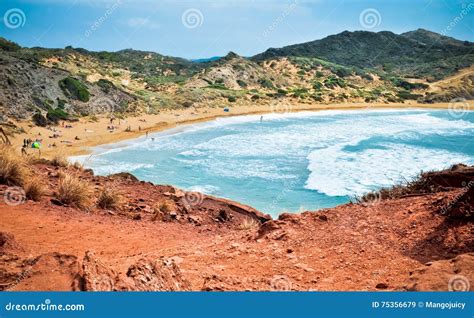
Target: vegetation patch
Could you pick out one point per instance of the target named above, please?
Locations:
(74, 88)
(13, 168)
(105, 85)
(407, 95)
(109, 199)
(74, 191)
(34, 188)
(333, 81)
(56, 114)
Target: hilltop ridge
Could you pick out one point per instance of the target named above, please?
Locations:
(47, 85)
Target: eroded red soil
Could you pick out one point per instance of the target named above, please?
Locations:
(205, 243)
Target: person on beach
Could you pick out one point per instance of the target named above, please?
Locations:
(261, 118)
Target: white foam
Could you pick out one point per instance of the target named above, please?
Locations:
(103, 166)
(336, 172)
(234, 151)
(396, 121)
(207, 189)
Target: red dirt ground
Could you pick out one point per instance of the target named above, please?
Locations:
(217, 244)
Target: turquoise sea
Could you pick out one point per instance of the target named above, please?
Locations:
(296, 161)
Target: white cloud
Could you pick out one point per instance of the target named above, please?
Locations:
(138, 22)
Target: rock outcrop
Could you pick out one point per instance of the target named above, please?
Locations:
(96, 276)
(156, 275)
(456, 274)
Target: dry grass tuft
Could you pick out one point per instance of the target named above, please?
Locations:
(249, 224)
(74, 191)
(59, 160)
(13, 168)
(420, 185)
(77, 165)
(34, 189)
(162, 211)
(109, 198)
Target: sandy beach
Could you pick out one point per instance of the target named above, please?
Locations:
(93, 133)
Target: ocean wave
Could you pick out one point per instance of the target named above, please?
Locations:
(336, 172)
(206, 189)
(105, 167)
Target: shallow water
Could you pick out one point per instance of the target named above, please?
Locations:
(296, 161)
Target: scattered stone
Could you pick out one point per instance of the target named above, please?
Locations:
(456, 274)
(95, 275)
(160, 275)
(196, 220)
(223, 216)
(323, 217)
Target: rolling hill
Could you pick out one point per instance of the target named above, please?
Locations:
(51, 84)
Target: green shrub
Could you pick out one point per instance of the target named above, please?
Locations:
(319, 74)
(74, 89)
(333, 81)
(407, 95)
(241, 83)
(317, 85)
(343, 72)
(266, 83)
(232, 99)
(57, 114)
(300, 92)
(105, 85)
(407, 85)
(61, 103)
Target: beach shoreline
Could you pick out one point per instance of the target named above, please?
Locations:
(95, 133)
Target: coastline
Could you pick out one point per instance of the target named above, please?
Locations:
(95, 133)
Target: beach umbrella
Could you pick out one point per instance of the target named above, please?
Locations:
(36, 145)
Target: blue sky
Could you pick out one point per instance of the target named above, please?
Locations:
(198, 29)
